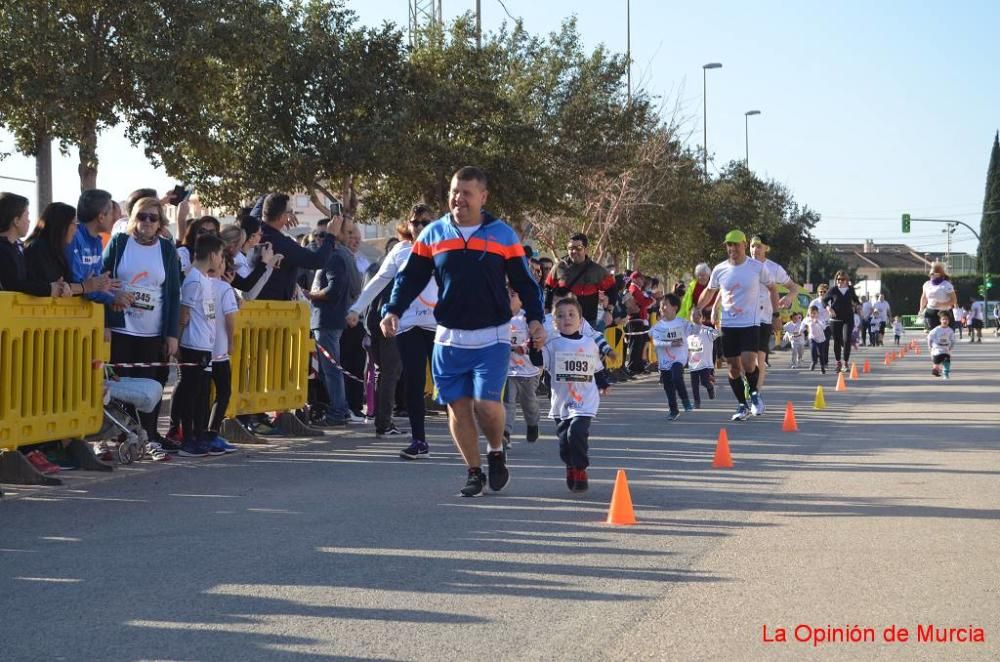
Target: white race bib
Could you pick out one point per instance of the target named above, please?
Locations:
(146, 299)
(572, 367)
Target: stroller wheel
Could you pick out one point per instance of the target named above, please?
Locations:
(124, 453)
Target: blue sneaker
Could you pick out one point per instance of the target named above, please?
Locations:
(417, 450)
(673, 416)
(756, 404)
(192, 448)
(688, 406)
(219, 446)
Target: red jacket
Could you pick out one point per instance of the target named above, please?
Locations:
(641, 300)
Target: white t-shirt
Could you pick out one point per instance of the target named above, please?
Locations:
(670, 339)
(468, 231)
(824, 314)
(883, 309)
(941, 340)
(977, 311)
(225, 304)
(794, 332)
(958, 314)
(817, 330)
(142, 273)
(185, 256)
(740, 286)
(520, 364)
(242, 264)
(421, 311)
(701, 342)
(938, 296)
(198, 294)
(572, 364)
(897, 329)
(778, 276)
(875, 324)
(866, 309)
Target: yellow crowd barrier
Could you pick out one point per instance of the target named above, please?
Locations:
(51, 385)
(270, 359)
(616, 338)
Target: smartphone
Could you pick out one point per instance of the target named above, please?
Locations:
(336, 209)
(180, 194)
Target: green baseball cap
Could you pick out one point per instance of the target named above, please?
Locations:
(736, 237)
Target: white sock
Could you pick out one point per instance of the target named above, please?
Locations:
(491, 449)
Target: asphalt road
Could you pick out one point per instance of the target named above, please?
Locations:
(884, 509)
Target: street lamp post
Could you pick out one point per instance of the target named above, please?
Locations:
(746, 133)
(704, 104)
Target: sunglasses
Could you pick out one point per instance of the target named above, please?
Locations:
(148, 218)
(574, 249)
(420, 224)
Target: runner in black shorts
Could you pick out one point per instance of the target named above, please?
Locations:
(740, 280)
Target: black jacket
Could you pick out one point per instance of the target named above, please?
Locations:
(842, 304)
(14, 272)
(281, 285)
(43, 263)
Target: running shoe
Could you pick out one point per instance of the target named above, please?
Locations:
(570, 478)
(840, 367)
(945, 376)
(219, 446)
(475, 484)
(506, 440)
(393, 431)
(580, 484)
(742, 413)
(936, 371)
(499, 475)
(812, 368)
(174, 435)
(688, 406)
(532, 435)
(168, 445)
(756, 404)
(415, 451)
(673, 416)
(353, 418)
(266, 430)
(41, 463)
(822, 369)
(327, 424)
(155, 452)
(192, 448)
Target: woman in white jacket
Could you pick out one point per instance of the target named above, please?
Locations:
(414, 342)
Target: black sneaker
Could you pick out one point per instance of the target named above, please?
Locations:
(812, 367)
(168, 445)
(499, 476)
(532, 436)
(391, 432)
(475, 484)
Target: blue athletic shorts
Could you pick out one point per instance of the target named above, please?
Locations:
(470, 373)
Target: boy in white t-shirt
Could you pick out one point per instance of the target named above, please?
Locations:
(875, 325)
(795, 337)
(670, 336)
(197, 342)
(578, 380)
(941, 342)
(226, 307)
(522, 376)
(817, 338)
(897, 328)
(701, 346)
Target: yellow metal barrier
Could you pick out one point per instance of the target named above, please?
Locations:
(270, 359)
(650, 350)
(51, 385)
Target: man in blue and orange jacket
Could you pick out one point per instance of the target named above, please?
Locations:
(472, 255)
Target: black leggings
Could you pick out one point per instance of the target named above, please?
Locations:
(843, 333)
(136, 349)
(191, 394)
(222, 375)
(415, 348)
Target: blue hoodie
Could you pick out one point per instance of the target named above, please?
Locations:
(85, 257)
(471, 275)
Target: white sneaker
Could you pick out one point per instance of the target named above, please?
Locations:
(756, 404)
(355, 419)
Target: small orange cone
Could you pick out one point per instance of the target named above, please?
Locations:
(841, 384)
(854, 370)
(820, 402)
(867, 367)
(789, 424)
(887, 361)
(621, 511)
(722, 459)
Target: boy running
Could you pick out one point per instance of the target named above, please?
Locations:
(818, 340)
(670, 341)
(522, 376)
(897, 328)
(941, 342)
(701, 350)
(795, 338)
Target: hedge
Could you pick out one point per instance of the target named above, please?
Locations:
(902, 290)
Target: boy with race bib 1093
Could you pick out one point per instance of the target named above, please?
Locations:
(578, 380)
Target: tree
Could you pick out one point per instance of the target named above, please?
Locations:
(989, 227)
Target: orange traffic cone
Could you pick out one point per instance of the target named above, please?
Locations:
(621, 511)
(854, 370)
(887, 361)
(867, 367)
(789, 424)
(722, 459)
(841, 384)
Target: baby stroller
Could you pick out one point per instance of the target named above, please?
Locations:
(121, 432)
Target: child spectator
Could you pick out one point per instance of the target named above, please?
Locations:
(198, 328)
(795, 337)
(522, 376)
(701, 349)
(670, 340)
(941, 341)
(226, 307)
(875, 328)
(897, 328)
(818, 340)
(578, 379)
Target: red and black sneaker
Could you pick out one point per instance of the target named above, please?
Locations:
(581, 483)
(571, 478)
(41, 463)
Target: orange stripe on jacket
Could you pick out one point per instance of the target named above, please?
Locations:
(474, 244)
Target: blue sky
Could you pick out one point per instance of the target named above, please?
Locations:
(868, 109)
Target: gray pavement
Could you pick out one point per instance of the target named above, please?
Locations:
(884, 509)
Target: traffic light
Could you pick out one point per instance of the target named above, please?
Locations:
(906, 222)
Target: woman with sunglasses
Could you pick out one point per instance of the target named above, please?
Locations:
(841, 302)
(185, 249)
(414, 342)
(146, 331)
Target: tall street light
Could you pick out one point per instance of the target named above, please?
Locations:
(704, 100)
(746, 133)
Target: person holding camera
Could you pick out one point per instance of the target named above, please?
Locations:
(583, 277)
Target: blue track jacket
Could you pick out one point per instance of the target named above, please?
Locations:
(471, 276)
